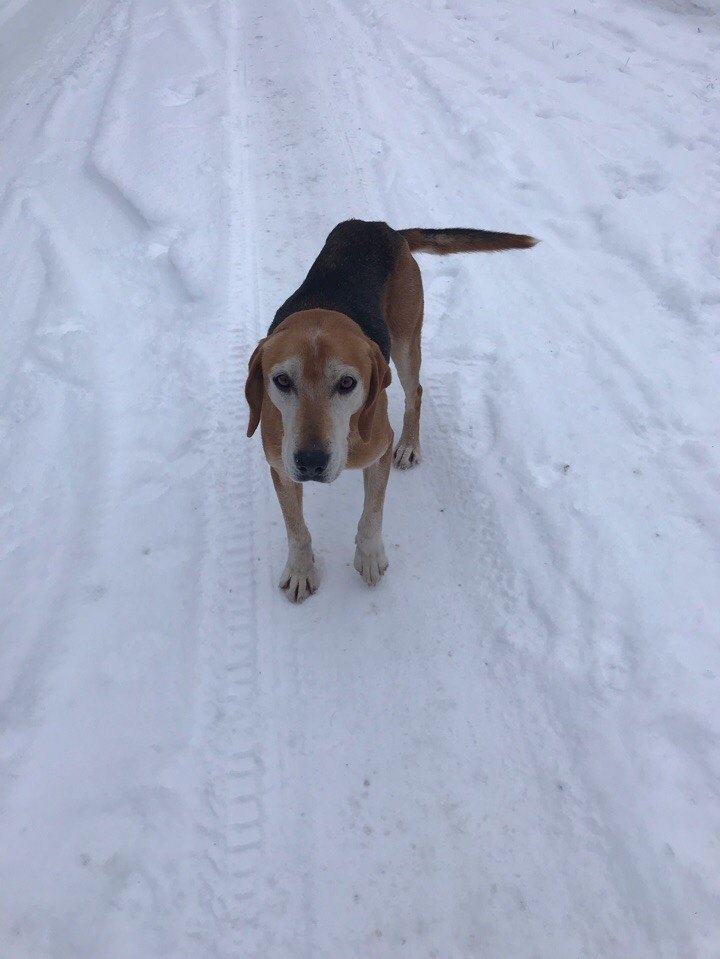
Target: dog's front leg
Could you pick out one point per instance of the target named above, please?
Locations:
(299, 579)
(370, 559)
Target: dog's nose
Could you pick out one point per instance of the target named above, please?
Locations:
(311, 463)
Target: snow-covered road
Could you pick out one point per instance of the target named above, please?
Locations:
(510, 748)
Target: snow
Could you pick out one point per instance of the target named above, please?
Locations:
(510, 747)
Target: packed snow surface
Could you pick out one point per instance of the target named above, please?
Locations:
(509, 748)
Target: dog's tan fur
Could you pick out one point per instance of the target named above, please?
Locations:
(320, 336)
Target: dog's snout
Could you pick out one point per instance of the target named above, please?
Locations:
(311, 463)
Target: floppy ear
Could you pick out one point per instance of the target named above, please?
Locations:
(380, 378)
(255, 388)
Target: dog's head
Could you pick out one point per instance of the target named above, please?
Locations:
(324, 378)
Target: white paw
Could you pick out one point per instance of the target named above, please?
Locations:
(406, 455)
(299, 580)
(371, 562)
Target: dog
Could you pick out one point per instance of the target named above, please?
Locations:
(316, 383)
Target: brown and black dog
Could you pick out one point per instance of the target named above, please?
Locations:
(317, 382)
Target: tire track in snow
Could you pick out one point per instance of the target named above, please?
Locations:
(230, 823)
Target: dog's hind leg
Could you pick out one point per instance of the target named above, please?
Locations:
(406, 355)
(404, 312)
(370, 559)
(299, 579)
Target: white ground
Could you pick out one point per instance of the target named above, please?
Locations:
(510, 748)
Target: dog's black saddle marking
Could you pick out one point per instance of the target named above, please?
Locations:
(349, 276)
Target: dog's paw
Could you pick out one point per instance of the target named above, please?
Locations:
(299, 580)
(406, 455)
(371, 562)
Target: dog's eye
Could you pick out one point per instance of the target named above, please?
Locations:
(283, 382)
(346, 384)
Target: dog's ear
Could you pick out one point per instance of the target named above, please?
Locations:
(255, 388)
(380, 378)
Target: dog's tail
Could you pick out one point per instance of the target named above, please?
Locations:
(456, 240)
